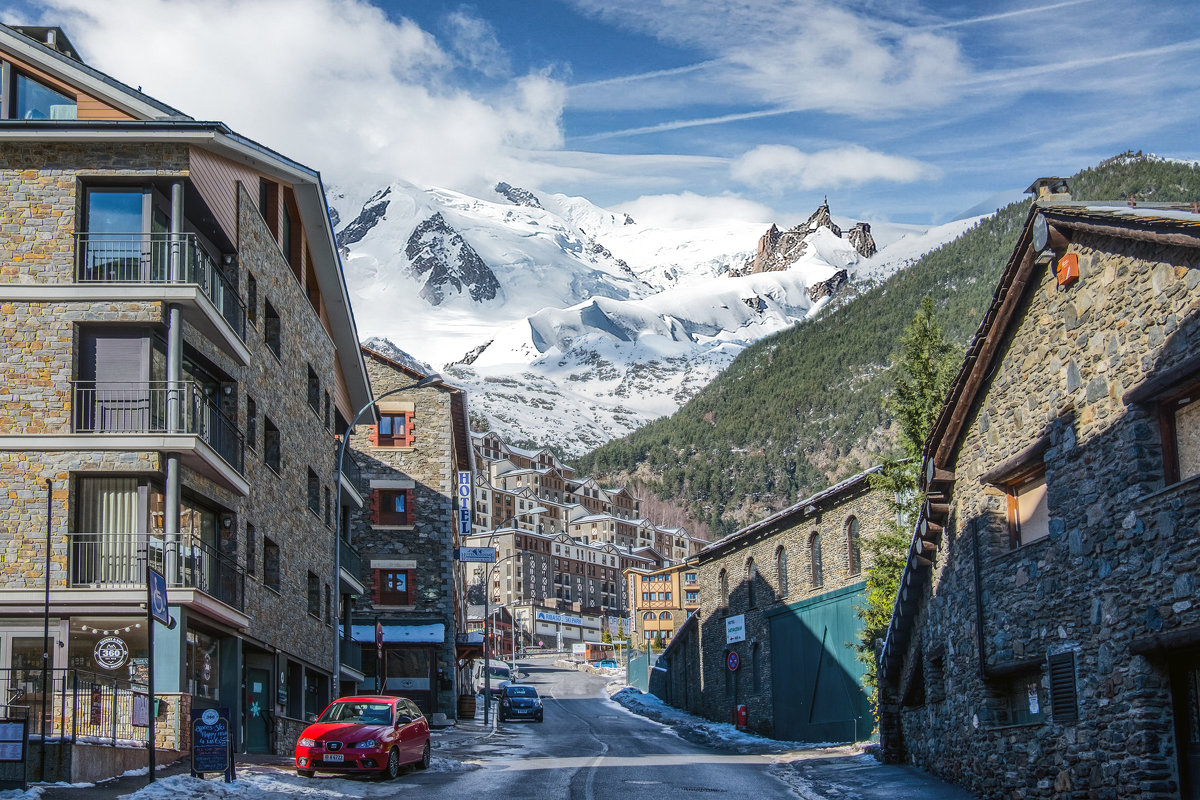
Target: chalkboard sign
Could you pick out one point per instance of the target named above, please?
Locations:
(212, 749)
(14, 749)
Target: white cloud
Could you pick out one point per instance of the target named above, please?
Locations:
(335, 84)
(780, 168)
(689, 210)
(474, 42)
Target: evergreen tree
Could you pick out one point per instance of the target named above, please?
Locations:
(606, 637)
(922, 376)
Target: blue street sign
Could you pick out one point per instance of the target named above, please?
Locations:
(158, 596)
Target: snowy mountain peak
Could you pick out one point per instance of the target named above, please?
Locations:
(439, 254)
(517, 196)
(372, 212)
(778, 250)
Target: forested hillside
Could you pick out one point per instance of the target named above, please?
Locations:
(804, 408)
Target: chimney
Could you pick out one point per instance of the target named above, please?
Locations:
(1049, 189)
(52, 38)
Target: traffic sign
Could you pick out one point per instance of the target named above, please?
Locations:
(483, 555)
(733, 661)
(158, 596)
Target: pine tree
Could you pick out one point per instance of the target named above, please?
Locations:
(921, 376)
(606, 637)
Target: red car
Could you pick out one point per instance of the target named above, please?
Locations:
(364, 734)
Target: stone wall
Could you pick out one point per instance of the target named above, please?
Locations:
(1119, 565)
(872, 510)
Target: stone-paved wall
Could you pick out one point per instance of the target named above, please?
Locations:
(429, 541)
(1120, 562)
(872, 510)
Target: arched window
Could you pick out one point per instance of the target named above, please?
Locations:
(751, 579)
(649, 615)
(814, 558)
(723, 587)
(665, 615)
(781, 576)
(754, 667)
(852, 549)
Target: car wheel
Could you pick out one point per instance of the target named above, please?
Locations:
(305, 773)
(392, 770)
(426, 757)
(539, 718)
(501, 717)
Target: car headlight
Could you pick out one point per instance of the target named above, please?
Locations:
(367, 744)
(306, 742)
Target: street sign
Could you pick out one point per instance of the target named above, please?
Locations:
(735, 629)
(158, 596)
(464, 503)
(483, 555)
(733, 661)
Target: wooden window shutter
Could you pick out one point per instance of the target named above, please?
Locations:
(409, 436)
(373, 509)
(373, 435)
(410, 584)
(1064, 702)
(376, 587)
(410, 496)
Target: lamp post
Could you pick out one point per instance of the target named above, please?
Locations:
(428, 380)
(487, 620)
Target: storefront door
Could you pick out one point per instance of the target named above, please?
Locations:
(258, 709)
(21, 676)
(410, 674)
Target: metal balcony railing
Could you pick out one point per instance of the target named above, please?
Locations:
(351, 654)
(352, 470)
(351, 561)
(146, 258)
(118, 561)
(110, 407)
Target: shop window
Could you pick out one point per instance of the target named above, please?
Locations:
(271, 565)
(1028, 512)
(202, 665)
(853, 548)
(314, 595)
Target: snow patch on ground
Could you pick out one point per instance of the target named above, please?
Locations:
(265, 784)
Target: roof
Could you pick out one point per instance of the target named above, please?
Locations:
(1167, 224)
(419, 633)
(783, 518)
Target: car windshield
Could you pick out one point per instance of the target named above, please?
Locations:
(520, 691)
(366, 713)
(498, 672)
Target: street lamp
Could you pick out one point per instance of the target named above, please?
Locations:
(428, 380)
(487, 620)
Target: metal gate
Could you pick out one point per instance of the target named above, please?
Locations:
(816, 676)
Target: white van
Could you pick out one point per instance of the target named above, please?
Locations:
(500, 672)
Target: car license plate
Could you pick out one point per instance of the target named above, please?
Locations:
(333, 758)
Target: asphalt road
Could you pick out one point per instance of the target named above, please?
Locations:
(589, 748)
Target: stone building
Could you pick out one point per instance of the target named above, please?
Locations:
(178, 355)
(777, 602)
(660, 601)
(403, 537)
(1045, 642)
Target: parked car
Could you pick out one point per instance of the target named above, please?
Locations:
(500, 672)
(520, 701)
(364, 734)
(605, 663)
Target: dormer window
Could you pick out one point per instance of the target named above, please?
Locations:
(23, 97)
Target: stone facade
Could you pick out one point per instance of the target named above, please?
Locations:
(1054, 661)
(765, 573)
(422, 547)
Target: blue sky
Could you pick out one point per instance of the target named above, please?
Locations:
(906, 110)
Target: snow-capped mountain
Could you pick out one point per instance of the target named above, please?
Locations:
(570, 324)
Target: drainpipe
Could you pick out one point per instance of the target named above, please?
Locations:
(174, 381)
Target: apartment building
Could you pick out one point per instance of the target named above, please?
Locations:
(179, 356)
(660, 601)
(404, 536)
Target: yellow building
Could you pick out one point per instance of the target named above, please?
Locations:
(660, 600)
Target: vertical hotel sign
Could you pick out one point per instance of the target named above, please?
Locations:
(464, 503)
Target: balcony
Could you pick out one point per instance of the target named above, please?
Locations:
(143, 260)
(118, 561)
(351, 654)
(135, 411)
(351, 570)
(351, 481)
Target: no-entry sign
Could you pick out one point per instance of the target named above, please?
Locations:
(733, 661)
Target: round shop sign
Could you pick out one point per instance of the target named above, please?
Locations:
(210, 716)
(111, 652)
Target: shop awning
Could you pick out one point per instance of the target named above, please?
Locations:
(431, 633)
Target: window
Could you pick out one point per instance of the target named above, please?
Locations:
(252, 299)
(781, 575)
(1180, 421)
(252, 422)
(33, 99)
(1021, 700)
(268, 204)
(394, 430)
(272, 446)
(691, 597)
(665, 615)
(271, 565)
(649, 615)
(314, 390)
(328, 508)
(272, 330)
(751, 580)
(287, 238)
(326, 417)
(251, 549)
(395, 587)
(853, 551)
(314, 595)
(723, 588)
(814, 558)
(391, 507)
(1028, 513)
(328, 605)
(314, 492)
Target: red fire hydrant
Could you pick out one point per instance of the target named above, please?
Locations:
(743, 717)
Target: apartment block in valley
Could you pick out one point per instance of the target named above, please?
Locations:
(660, 601)
(178, 358)
(404, 536)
